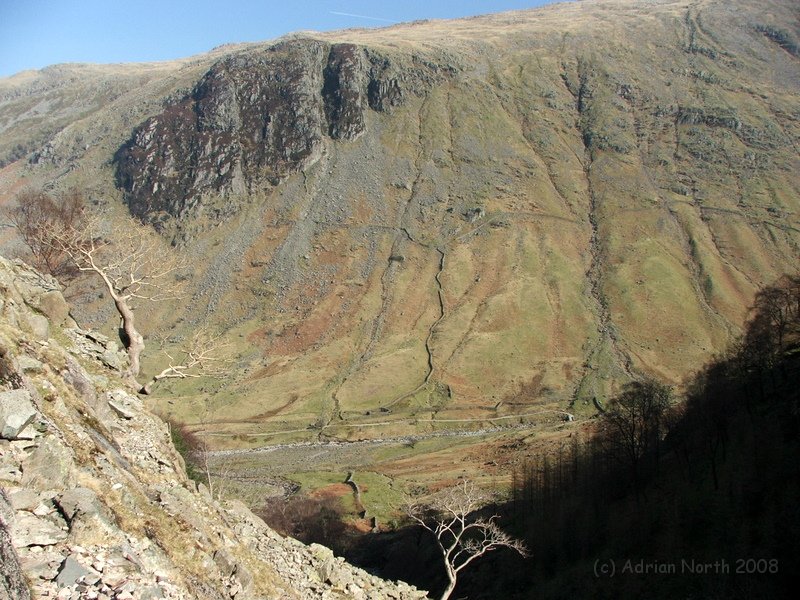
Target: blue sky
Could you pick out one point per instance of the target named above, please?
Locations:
(37, 33)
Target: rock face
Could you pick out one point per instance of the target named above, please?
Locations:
(12, 580)
(95, 503)
(253, 119)
(16, 412)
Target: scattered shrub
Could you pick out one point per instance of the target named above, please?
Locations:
(310, 520)
(190, 447)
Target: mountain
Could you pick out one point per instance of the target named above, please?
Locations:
(443, 225)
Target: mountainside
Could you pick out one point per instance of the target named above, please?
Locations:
(94, 499)
(439, 225)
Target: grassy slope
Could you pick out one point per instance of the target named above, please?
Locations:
(621, 232)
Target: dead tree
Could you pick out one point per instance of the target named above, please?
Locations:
(37, 216)
(129, 259)
(460, 537)
(202, 356)
(132, 266)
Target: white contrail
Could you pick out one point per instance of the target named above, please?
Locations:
(344, 14)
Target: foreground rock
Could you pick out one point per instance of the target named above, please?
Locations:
(95, 503)
(16, 413)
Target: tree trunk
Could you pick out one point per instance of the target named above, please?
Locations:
(451, 585)
(132, 339)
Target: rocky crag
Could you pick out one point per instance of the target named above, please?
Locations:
(255, 118)
(94, 499)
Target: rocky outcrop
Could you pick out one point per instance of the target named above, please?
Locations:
(254, 118)
(94, 499)
(16, 413)
(12, 580)
(343, 92)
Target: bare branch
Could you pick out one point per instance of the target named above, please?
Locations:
(461, 539)
(37, 216)
(203, 356)
(130, 259)
(133, 264)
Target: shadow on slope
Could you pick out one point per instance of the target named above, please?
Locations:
(695, 500)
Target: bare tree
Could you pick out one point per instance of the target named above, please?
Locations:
(774, 325)
(132, 265)
(635, 425)
(215, 480)
(461, 538)
(202, 356)
(37, 216)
